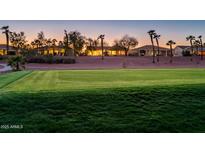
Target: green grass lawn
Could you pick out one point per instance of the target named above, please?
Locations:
(163, 100)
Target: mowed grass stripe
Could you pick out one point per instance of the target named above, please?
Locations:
(69, 80)
(7, 79)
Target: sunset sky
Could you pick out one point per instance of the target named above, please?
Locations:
(113, 29)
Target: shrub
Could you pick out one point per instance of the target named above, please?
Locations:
(51, 59)
(17, 63)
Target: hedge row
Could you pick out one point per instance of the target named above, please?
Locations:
(51, 59)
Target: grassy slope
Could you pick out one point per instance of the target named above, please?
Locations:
(6, 79)
(105, 101)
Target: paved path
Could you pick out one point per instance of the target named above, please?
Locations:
(5, 68)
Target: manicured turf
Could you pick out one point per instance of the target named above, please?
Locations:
(165, 100)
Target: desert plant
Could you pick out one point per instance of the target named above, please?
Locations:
(17, 63)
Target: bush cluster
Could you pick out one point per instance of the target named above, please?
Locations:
(51, 59)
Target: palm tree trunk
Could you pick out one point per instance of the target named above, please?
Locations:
(153, 54)
(201, 49)
(7, 42)
(157, 50)
(102, 49)
(126, 53)
(191, 50)
(171, 55)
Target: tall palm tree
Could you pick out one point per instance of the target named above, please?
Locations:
(6, 32)
(48, 43)
(66, 43)
(38, 45)
(197, 44)
(54, 44)
(170, 43)
(90, 45)
(201, 44)
(191, 38)
(33, 44)
(157, 41)
(102, 37)
(151, 34)
(61, 46)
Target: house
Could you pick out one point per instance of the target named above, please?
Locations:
(50, 50)
(107, 50)
(3, 50)
(182, 50)
(147, 50)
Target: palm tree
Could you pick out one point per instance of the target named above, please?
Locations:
(102, 37)
(197, 44)
(201, 44)
(41, 41)
(66, 43)
(157, 41)
(33, 44)
(54, 44)
(38, 44)
(48, 43)
(61, 45)
(170, 43)
(89, 45)
(77, 41)
(191, 38)
(6, 32)
(151, 34)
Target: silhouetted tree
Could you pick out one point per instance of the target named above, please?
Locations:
(48, 44)
(54, 41)
(151, 34)
(157, 41)
(90, 45)
(61, 45)
(38, 45)
(201, 45)
(191, 38)
(33, 44)
(77, 41)
(196, 44)
(17, 62)
(170, 43)
(66, 44)
(102, 37)
(126, 43)
(18, 40)
(6, 32)
(41, 41)
(117, 47)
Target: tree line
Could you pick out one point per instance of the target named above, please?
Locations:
(71, 40)
(195, 43)
(74, 42)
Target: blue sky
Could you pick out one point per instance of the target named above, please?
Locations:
(176, 30)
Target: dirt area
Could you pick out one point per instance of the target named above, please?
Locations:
(123, 62)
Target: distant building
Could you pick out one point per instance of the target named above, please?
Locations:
(3, 51)
(147, 50)
(108, 51)
(182, 50)
(52, 50)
